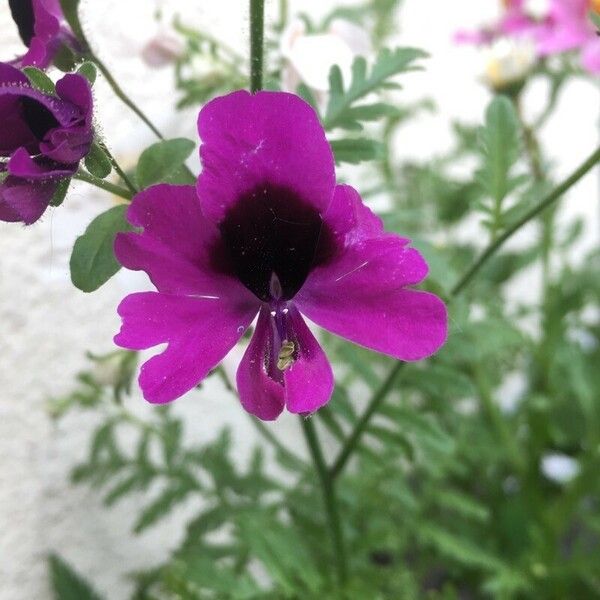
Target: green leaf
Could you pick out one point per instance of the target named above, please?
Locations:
(61, 192)
(163, 162)
(97, 161)
(500, 140)
(357, 150)
(39, 80)
(67, 584)
(340, 111)
(93, 261)
(161, 506)
(595, 18)
(89, 71)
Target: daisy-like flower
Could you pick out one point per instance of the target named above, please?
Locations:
(42, 139)
(43, 29)
(267, 231)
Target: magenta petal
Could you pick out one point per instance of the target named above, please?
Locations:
(177, 245)
(590, 56)
(24, 201)
(309, 380)
(260, 394)
(23, 166)
(269, 138)
(199, 333)
(360, 293)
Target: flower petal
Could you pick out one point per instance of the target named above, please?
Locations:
(199, 333)
(260, 395)
(269, 138)
(359, 293)
(178, 248)
(24, 201)
(303, 386)
(309, 380)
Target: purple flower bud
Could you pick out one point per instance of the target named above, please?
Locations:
(42, 140)
(43, 29)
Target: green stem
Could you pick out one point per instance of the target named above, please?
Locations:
(548, 201)
(82, 175)
(113, 161)
(257, 28)
(374, 404)
(118, 90)
(380, 394)
(329, 499)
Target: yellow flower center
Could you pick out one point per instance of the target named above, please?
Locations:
(595, 6)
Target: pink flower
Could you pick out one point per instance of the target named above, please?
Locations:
(565, 26)
(568, 27)
(267, 231)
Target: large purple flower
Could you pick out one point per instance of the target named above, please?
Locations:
(267, 231)
(42, 28)
(42, 139)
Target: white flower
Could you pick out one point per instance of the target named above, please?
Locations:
(508, 61)
(309, 57)
(559, 468)
(162, 49)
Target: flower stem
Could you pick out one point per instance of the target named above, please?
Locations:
(380, 394)
(132, 188)
(257, 29)
(329, 499)
(82, 175)
(548, 201)
(118, 90)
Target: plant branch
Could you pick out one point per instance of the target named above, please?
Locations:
(82, 175)
(380, 395)
(118, 90)
(113, 161)
(329, 499)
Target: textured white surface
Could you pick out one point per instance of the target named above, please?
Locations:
(46, 324)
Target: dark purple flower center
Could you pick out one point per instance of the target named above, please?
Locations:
(272, 235)
(22, 14)
(39, 119)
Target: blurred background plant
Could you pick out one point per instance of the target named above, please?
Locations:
(475, 472)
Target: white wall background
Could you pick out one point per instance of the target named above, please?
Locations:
(46, 324)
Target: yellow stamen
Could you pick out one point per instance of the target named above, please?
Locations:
(595, 6)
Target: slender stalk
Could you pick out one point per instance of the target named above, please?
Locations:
(380, 394)
(257, 27)
(113, 161)
(548, 201)
(329, 499)
(82, 175)
(375, 402)
(262, 429)
(118, 90)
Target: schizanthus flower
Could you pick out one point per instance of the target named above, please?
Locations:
(267, 231)
(564, 26)
(42, 28)
(43, 137)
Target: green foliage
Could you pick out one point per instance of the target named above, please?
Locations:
(40, 80)
(93, 261)
(89, 71)
(66, 583)
(70, 9)
(342, 111)
(356, 150)
(500, 144)
(163, 162)
(97, 161)
(61, 192)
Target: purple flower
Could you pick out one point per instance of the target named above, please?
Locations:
(42, 28)
(267, 231)
(43, 137)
